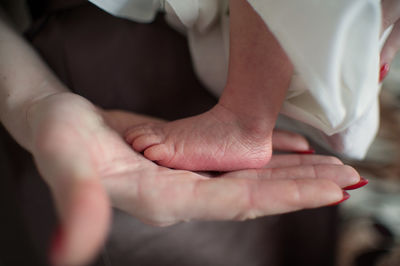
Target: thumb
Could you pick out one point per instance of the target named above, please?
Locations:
(81, 201)
(85, 212)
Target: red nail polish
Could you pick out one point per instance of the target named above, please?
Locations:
(346, 196)
(361, 183)
(310, 151)
(383, 72)
(56, 245)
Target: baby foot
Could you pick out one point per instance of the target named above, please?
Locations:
(215, 140)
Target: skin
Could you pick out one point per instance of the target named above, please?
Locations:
(80, 152)
(237, 131)
(85, 181)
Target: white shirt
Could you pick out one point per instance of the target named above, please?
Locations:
(334, 46)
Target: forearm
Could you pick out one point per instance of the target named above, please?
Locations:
(24, 79)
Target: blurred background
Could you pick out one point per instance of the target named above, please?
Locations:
(370, 221)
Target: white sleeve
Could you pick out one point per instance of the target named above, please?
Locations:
(335, 47)
(137, 10)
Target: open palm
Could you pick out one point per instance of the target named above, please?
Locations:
(80, 152)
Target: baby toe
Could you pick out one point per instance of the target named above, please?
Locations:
(137, 131)
(160, 153)
(143, 142)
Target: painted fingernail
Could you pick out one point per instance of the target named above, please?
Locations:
(310, 151)
(56, 246)
(346, 196)
(384, 71)
(361, 183)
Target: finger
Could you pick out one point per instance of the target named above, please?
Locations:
(342, 175)
(80, 199)
(390, 12)
(392, 45)
(240, 199)
(183, 196)
(289, 141)
(287, 160)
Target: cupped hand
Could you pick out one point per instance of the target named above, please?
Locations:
(391, 17)
(80, 152)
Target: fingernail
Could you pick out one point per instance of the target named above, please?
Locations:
(384, 71)
(310, 151)
(361, 183)
(346, 196)
(56, 246)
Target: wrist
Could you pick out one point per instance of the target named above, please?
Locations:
(16, 111)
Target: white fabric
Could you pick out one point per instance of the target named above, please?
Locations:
(334, 46)
(138, 10)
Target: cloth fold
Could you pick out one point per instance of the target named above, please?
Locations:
(333, 45)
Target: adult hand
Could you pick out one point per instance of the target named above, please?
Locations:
(391, 16)
(79, 151)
